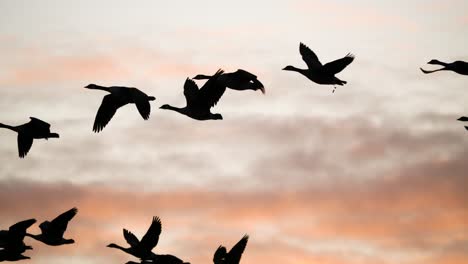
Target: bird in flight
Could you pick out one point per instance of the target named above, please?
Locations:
(200, 101)
(118, 97)
(459, 67)
(34, 129)
(239, 80)
(221, 256)
(52, 232)
(318, 73)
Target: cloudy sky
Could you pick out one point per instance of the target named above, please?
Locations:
(375, 173)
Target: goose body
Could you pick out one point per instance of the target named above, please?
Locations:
(200, 101)
(221, 256)
(142, 249)
(52, 232)
(318, 73)
(118, 97)
(459, 67)
(239, 80)
(161, 259)
(34, 129)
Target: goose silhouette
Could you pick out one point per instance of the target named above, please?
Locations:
(52, 232)
(318, 73)
(463, 119)
(459, 67)
(34, 129)
(200, 101)
(161, 259)
(239, 80)
(221, 256)
(12, 241)
(142, 249)
(118, 97)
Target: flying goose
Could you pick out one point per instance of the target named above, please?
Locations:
(463, 119)
(459, 67)
(161, 259)
(118, 97)
(200, 101)
(318, 73)
(221, 256)
(52, 232)
(12, 241)
(142, 249)
(34, 129)
(239, 80)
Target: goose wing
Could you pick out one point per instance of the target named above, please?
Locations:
(211, 91)
(244, 74)
(58, 226)
(38, 122)
(105, 112)
(338, 65)
(21, 227)
(132, 240)
(235, 253)
(219, 255)
(151, 238)
(190, 91)
(141, 102)
(25, 141)
(309, 57)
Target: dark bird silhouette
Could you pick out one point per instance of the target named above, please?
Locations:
(318, 73)
(239, 80)
(11, 241)
(200, 101)
(142, 249)
(34, 129)
(118, 97)
(459, 67)
(161, 259)
(463, 119)
(52, 232)
(221, 256)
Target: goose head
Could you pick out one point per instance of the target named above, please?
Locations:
(151, 98)
(165, 106)
(289, 68)
(201, 77)
(91, 86)
(435, 62)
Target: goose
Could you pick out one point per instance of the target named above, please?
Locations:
(318, 73)
(13, 254)
(200, 101)
(239, 80)
(118, 97)
(11, 240)
(142, 249)
(459, 67)
(34, 129)
(221, 256)
(463, 119)
(52, 232)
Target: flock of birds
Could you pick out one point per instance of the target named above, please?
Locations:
(12, 242)
(199, 102)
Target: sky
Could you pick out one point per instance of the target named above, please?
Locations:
(374, 173)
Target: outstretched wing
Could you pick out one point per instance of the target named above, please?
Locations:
(235, 253)
(38, 122)
(309, 57)
(21, 227)
(60, 223)
(25, 141)
(105, 112)
(141, 102)
(190, 91)
(132, 240)
(338, 65)
(151, 238)
(219, 255)
(212, 91)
